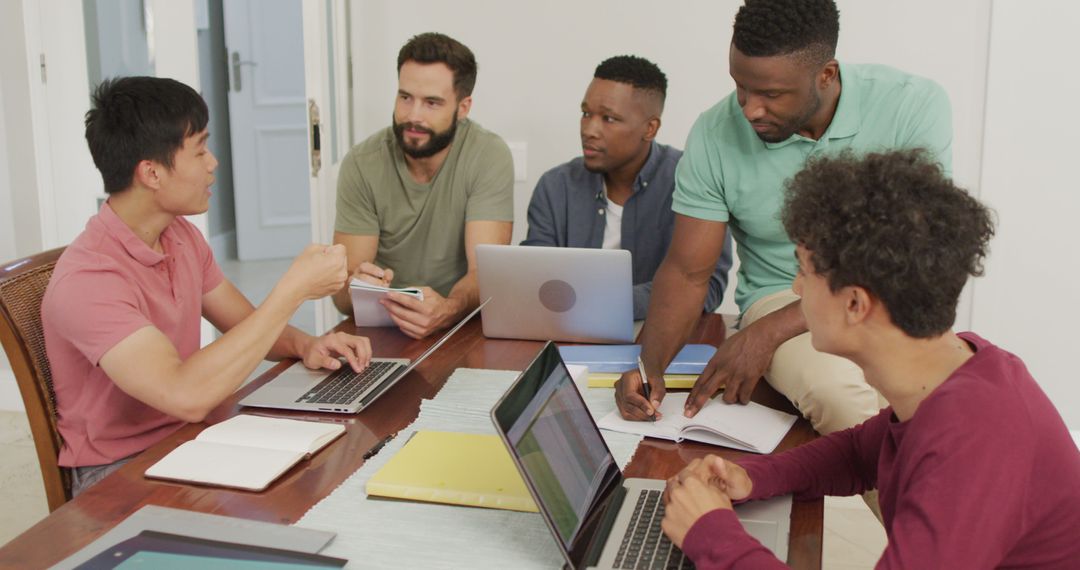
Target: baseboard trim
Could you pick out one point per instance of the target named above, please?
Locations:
(10, 398)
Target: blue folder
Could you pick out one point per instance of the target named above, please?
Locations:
(622, 357)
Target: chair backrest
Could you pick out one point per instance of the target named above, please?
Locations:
(22, 286)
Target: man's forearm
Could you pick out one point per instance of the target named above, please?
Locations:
(782, 325)
(343, 300)
(674, 309)
(292, 343)
(463, 297)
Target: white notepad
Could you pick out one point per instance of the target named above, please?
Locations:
(367, 311)
(245, 452)
(752, 427)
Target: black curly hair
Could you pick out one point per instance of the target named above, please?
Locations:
(894, 224)
(433, 47)
(633, 70)
(808, 28)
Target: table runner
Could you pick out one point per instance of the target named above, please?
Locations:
(400, 534)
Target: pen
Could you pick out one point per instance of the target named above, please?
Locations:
(645, 385)
(378, 446)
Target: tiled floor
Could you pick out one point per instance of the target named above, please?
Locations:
(21, 491)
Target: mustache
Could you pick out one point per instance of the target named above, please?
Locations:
(415, 127)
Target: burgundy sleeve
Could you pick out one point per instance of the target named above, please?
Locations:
(843, 463)
(717, 541)
(961, 501)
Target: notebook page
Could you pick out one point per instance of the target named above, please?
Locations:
(272, 433)
(752, 427)
(248, 468)
(759, 427)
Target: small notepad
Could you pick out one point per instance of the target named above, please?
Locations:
(244, 452)
(752, 427)
(453, 468)
(367, 311)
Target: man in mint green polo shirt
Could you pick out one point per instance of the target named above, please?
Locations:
(792, 100)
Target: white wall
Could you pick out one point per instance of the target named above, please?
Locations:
(537, 58)
(1027, 302)
(7, 252)
(19, 234)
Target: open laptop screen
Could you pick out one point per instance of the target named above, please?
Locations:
(558, 446)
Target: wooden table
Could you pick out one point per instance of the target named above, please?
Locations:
(104, 505)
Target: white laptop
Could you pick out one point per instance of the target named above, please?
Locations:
(556, 293)
(344, 390)
(598, 518)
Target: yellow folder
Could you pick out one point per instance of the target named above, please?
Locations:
(672, 381)
(456, 469)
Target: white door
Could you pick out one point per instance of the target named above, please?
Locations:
(267, 119)
(329, 100)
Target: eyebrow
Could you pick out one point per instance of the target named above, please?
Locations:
(204, 137)
(434, 98)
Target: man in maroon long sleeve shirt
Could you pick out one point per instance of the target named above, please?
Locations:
(974, 466)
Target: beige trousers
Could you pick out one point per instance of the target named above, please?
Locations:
(829, 390)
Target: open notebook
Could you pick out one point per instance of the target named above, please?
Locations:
(244, 452)
(752, 427)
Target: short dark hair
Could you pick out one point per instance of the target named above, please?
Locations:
(132, 119)
(894, 224)
(636, 71)
(765, 28)
(433, 47)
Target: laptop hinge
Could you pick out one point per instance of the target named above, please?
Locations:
(600, 537)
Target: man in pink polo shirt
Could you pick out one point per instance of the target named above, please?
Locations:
(973, 464)
(122, 311)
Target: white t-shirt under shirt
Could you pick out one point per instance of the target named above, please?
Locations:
(613, 225)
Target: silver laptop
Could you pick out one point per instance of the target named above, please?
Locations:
(598, 518)
(344, 390)
(556, 293)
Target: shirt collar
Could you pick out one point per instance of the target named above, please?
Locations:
(644, 176)
(648, 170)
(846, 120)
(131, 243)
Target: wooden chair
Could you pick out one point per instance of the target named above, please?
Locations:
(22, 286)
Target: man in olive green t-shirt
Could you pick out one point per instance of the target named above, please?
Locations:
(415, 199)
(792, 101)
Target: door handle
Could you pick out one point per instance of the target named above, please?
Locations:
(316, 142)
(237, 63)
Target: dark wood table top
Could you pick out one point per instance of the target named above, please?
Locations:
(104, 505)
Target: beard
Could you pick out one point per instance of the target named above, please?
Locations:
(436, 141)
(787, 128)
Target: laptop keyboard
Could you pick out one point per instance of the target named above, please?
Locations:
(345, 384)
(644, 546)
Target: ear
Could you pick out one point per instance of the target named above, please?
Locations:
(651, 129)
(148, 174)
(828, 74)
(859, 304)
(463, 108)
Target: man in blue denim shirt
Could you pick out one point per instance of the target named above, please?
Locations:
(617, 195)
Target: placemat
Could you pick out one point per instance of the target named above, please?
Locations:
(380, 533)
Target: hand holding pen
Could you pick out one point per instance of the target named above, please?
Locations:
(645, 388)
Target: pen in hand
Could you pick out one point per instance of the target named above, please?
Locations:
(645, 386)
